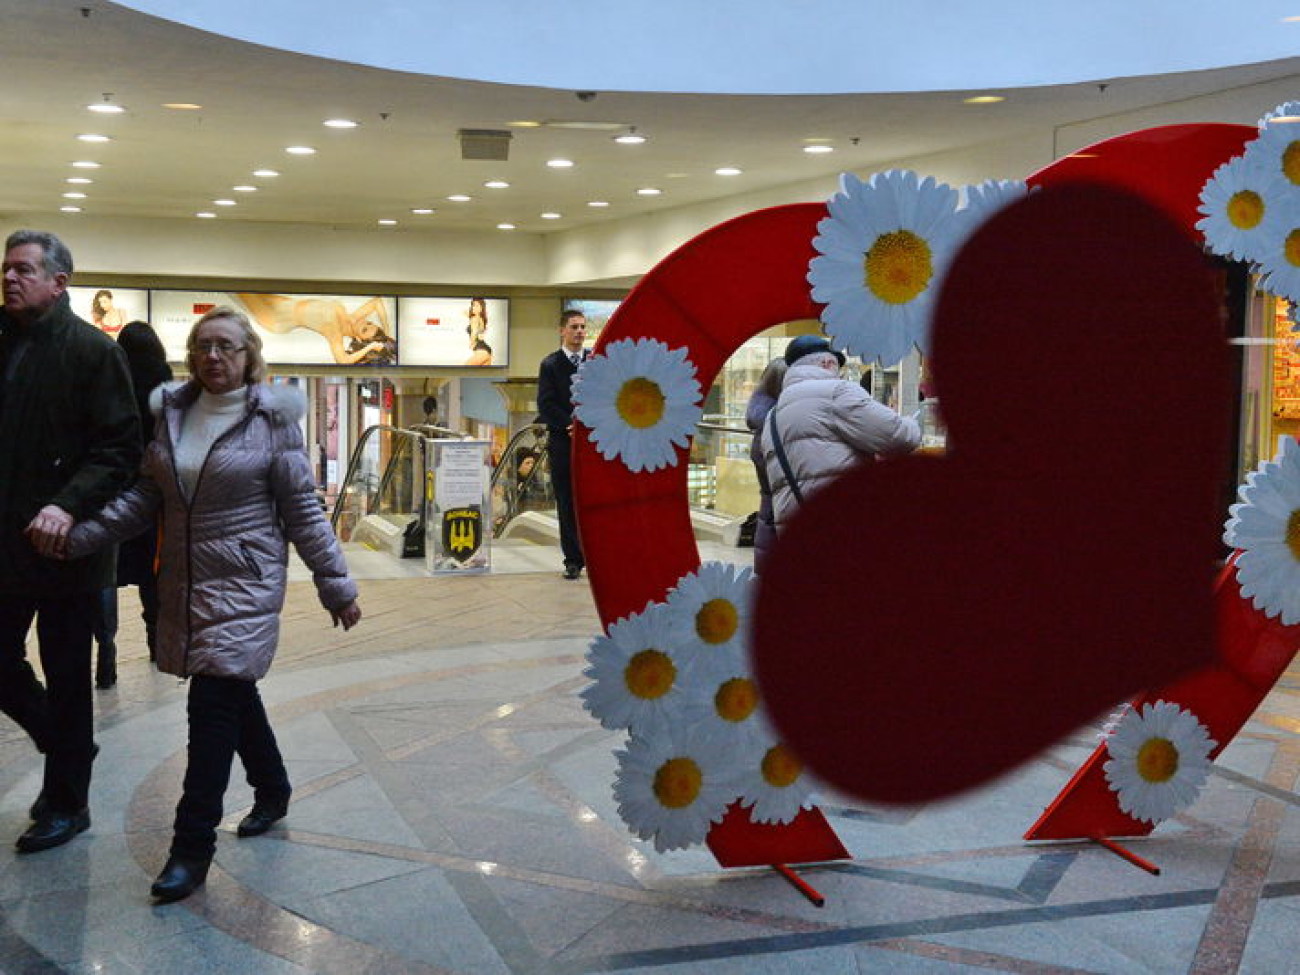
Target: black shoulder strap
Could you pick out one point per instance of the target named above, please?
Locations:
(779, 449)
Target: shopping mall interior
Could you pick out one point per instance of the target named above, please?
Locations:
(419, 168)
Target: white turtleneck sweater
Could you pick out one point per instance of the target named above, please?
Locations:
(211, 415)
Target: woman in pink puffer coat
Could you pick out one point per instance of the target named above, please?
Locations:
(228, 473)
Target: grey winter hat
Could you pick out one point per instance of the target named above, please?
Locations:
(803, 345)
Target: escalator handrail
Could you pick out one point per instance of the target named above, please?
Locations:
(355, 461)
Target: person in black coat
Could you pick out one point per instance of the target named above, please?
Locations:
(555, 409)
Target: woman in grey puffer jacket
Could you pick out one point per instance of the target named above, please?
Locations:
(228, 473)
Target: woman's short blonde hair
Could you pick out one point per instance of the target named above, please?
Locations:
(255, 367)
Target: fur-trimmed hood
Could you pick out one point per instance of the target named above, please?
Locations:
(284, 403)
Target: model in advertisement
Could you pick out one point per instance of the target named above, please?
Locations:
(480, 352)
(104, 315)
(358, 337)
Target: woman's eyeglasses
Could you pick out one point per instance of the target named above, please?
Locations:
(221, 347)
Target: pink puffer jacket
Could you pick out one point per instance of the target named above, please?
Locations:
(224, 554)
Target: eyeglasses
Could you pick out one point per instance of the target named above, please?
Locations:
(221, 347)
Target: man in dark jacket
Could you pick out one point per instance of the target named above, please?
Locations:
(555, 409)
(69, 441)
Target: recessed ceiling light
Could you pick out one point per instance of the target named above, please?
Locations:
(85, 164)
(74, 196)
(387, 222)
(105, 108)
(69, 209)
(79, 180)
(244, 188)
(551, 215)
(339, 123)
(93, 137)
(423, 211)
(497, 184)
(727, 171)
(818, 149)
(597, 203)
(505, 226)
(984, 100)
(300, 150)
(460, 198)
(630, 139)
(676, 175)
(1284, 118)
(560, 163)
(648, 191)
(205, 214)
(266, 173)
(182, 106)
(525, 124)
(224, 203)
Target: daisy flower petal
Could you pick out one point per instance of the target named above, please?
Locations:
(1159, 760)
(1266, 528)
(640, 400)
(710, 611)
(1240, 205)
(775, 785)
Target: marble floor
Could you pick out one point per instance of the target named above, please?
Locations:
(452, 813)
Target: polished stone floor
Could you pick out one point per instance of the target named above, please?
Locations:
(453, 814)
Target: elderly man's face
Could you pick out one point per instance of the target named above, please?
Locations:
(29, 290)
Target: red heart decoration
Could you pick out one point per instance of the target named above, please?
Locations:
(928, 623)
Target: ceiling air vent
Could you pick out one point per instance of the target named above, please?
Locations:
(491, 144)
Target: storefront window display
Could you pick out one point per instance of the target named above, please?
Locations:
(1270, 400)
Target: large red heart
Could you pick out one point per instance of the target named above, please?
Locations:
(928, 623)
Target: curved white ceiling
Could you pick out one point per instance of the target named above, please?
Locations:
(762, 46)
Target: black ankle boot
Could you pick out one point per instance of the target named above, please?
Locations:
(179, 878)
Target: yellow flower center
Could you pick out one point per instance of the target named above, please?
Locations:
(1245, 209)
(1292, 248)
(736, 699)
(1291, 163)
(898, 267)
(678, 782)
(640, 403)
(1293, 534)
(781, 768)
(1157, 760)
(650, 674)
(716, 621)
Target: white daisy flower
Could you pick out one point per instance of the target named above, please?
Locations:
(636, 676)
(1265, 526)
(1286, 109)
(1280, 262)
(987, 198)
(1277, 151)
(1159, 759)
(671, 790)
(883, 250)
(1238, 203)
(710, 610)
(724, 711)
(638, 398)
(775, 785)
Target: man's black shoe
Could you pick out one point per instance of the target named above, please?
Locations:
(53, 829)
(572, 571)
(261, 818)
(41, 805)
(179, 879)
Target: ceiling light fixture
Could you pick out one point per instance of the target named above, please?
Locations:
(69, 209)
(85, 164)
(630, 138)
(984, 100)
(423, 211)
(93, 137)
(727, 171)
(560, 163)
(818, 149)
(182, 106)
(74, 196)
(340, 123)
(497, 184)
(525, 124)
(387, 222)
(597, 203)
(505, 226)
(244, 188)
(106, 107)
(460, 198)
(79, 180)
(223, 203)
(300, 150)
(205, 215)
(266, 173)
(648, 191)
(551, 215)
